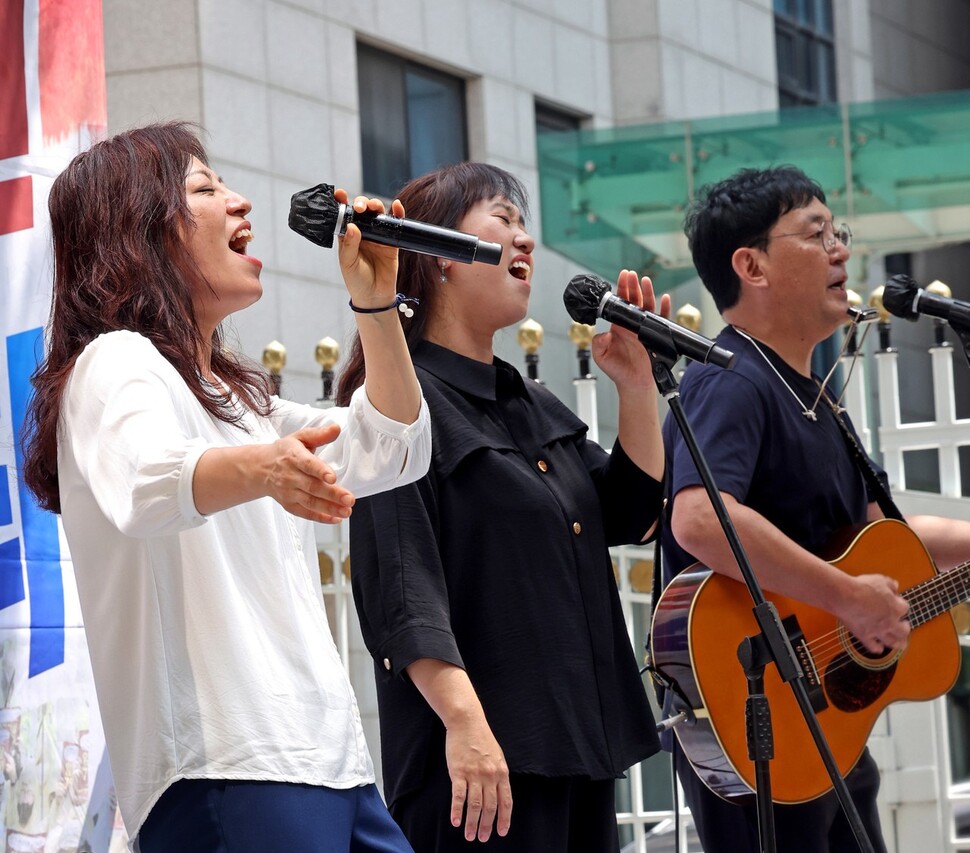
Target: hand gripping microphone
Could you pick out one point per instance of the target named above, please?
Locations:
(588, 296)
(903, 297)
(319, 217)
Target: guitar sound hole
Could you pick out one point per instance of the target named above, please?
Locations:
(851, 686)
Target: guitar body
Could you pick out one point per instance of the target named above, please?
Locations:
(701, 619)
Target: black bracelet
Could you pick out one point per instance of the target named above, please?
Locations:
(400, 302)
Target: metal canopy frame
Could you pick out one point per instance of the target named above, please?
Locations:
(898, 171)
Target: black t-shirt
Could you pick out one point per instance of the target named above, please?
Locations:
(497, 561)
(797, 473)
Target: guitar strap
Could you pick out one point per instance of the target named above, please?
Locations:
(876, 486)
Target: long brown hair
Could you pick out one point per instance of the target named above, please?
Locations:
(120, 263)
(441, 197)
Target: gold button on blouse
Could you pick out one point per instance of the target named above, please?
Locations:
(542, 465)
(577, 528)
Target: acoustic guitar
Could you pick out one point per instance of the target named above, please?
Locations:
(702, 617)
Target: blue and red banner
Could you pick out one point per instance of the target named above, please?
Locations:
(55, 783)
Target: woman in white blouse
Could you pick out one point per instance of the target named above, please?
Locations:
(185, 489)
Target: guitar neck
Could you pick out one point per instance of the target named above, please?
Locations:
(938, 594)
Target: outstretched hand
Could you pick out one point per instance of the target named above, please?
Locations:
(300, 481)
(618, 352)
(369, 269)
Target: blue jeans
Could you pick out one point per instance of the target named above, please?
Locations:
(220, 816)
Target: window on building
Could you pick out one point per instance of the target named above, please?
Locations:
(551, 119)
(805, 52)
(412, 119)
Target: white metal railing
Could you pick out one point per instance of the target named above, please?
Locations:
(945, 434)
(918, 800)
(644, 815)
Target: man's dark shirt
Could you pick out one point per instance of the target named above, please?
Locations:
(762, 451)
(497, 562)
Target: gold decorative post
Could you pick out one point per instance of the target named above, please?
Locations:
(582, 336)
(274, 360)
(875, 301)
(530, 339)
(327, 354)
(690, 318)
(855, 301)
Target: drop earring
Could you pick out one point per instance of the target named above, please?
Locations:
(444, 278)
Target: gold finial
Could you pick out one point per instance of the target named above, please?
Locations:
(325, 564)
(938, 288)
(641, 575)
(855, 301)
(875, 301)
(581, 335)
(530, 336)
(689, 317)
(327, 353)
(274, 357)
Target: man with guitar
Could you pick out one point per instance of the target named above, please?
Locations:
(765, 246)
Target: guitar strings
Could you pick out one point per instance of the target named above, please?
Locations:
(928, 599)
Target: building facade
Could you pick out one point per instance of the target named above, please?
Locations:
(275, 84)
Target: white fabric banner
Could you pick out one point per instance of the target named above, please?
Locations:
(55, 787)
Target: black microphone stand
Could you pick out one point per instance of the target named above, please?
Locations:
(963, 332)
(755, 652)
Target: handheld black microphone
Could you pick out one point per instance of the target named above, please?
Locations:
(319, 217)
(903, 297)
(588, 296)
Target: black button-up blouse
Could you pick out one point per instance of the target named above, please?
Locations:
(497, 561)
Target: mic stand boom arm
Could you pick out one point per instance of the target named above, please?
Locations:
(963, 332)
(772, 644)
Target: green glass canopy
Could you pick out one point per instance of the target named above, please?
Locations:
(898, 171)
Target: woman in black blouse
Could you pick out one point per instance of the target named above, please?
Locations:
(485, 591)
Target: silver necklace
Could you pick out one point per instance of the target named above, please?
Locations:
(807, 413)
(858, 319)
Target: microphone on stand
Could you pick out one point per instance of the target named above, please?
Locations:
(319, 217)
(588, 296)
(903, 297)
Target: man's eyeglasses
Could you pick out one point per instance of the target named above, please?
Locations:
(826, 233)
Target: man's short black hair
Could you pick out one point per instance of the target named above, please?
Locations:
(740, 211)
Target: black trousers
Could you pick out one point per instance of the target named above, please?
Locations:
(818, 826)
(549, 815)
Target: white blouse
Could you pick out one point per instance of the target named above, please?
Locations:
(209, 641)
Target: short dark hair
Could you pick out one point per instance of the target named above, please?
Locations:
(441, 197)
(740, 211)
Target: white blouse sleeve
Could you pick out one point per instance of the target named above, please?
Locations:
(372, 453)
(123, 432)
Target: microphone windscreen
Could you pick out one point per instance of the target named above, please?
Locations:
(898, 296)
(313, 213)
(582, 297)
